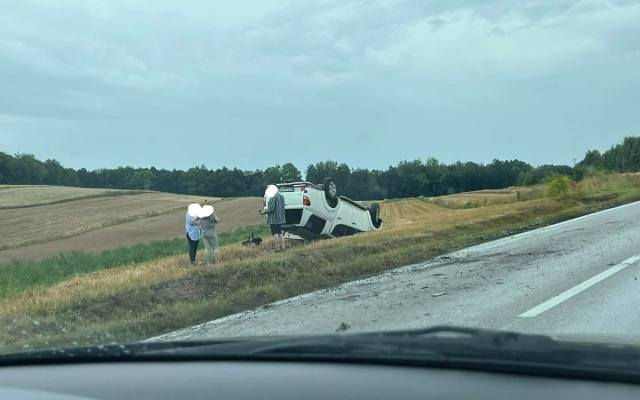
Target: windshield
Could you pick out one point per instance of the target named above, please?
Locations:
(204, 170)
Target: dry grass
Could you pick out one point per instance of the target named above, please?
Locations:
(44, 300)
(596, 188)
(410, 214)
(104, 283)
(483, 198)
(138, 301)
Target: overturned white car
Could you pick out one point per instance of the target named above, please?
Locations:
(317, 211)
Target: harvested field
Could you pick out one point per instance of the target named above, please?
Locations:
(13, 196)
(107, 221)
(483, 198)
(400, 213)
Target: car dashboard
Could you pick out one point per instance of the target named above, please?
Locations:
(286, 380)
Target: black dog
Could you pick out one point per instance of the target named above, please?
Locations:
(257, 240)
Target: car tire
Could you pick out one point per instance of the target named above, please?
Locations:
(331, 192)
(374, 210)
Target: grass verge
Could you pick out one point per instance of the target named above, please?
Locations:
(22, 275)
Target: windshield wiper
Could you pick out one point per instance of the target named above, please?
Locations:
(441, 347)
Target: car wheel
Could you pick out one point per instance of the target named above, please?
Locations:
(331, 192)
(374, 210)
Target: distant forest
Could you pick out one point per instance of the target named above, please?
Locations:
(406, 179)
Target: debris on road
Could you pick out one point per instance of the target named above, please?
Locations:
(343, 327)
(438, 294)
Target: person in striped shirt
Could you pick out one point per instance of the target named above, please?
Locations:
(275, 213)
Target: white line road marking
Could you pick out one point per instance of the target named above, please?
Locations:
(564, 296)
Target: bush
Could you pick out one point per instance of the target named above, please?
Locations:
(559, 187)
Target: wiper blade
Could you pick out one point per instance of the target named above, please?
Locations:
(441, 347)
(106, 353)
(441, 340)
(477, 349)
(434, 330)
(345, 345)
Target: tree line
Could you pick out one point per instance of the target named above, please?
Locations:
(406, 179)
(623, 157)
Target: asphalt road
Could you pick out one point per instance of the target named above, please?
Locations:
(580, 277)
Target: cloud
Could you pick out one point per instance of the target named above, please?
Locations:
(329, 67)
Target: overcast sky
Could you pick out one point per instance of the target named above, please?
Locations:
(252, 83)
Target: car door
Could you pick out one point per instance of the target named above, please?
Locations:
(360, 219)
(343, 223)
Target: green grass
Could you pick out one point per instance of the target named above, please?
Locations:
(18, 276)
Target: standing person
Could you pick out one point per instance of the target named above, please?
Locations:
(208, 220)
(275, 212)
(193, 231)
